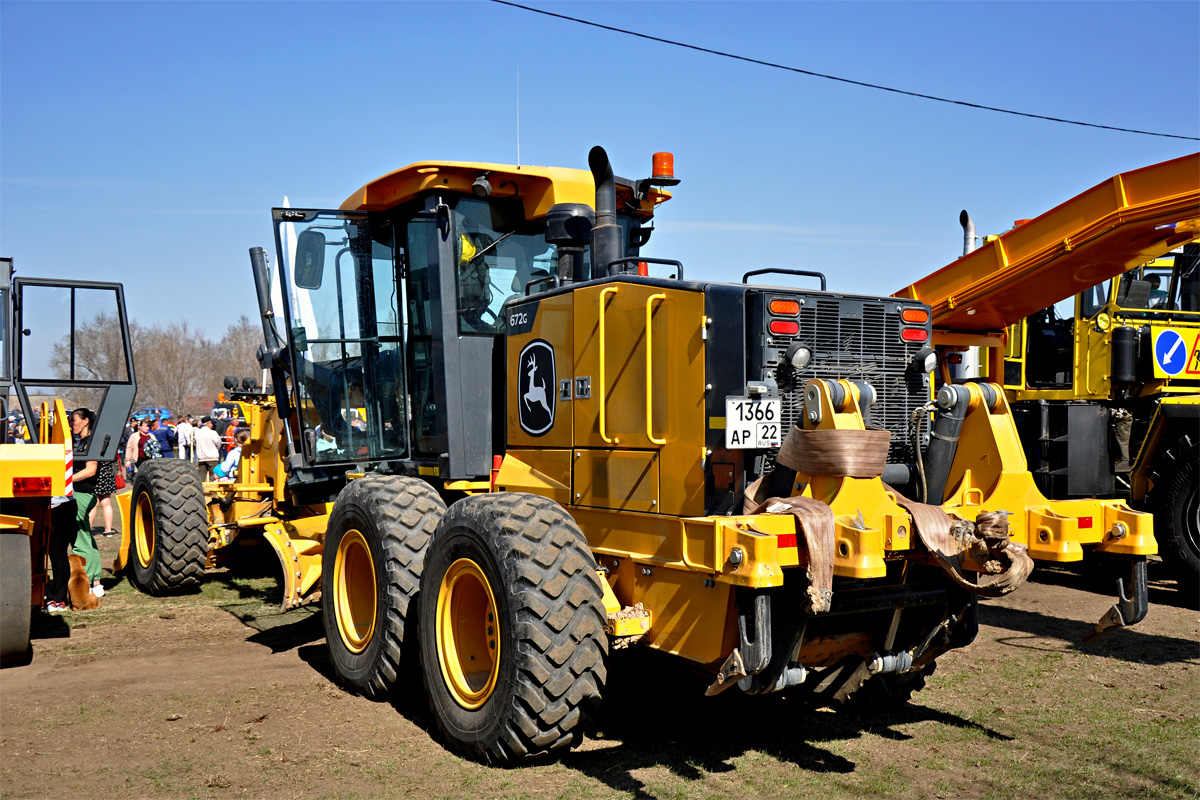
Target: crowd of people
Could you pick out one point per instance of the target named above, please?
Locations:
(213, 445)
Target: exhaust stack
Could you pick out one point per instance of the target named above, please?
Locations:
(606, 235)
(968, 226)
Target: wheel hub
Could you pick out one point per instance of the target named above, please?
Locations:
(143, 530)
(355, 599)
(468, 634)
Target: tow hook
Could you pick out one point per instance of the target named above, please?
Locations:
(1133, 600)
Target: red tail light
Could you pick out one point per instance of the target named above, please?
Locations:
(784, 327)
(39, 485)
(914, 334)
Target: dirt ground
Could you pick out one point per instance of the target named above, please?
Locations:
(218, 695)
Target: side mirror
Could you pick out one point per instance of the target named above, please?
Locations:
(310, 259)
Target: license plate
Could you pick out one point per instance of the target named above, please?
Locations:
(753, 423)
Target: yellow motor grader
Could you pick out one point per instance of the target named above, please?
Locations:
(499, 441)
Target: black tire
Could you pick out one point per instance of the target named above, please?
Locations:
(546, 661)
(168, 532)
(15, 598)
(376, 520)
(1176, 505)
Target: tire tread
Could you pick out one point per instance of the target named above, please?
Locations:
(180, 526)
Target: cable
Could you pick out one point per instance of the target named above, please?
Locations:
(842, 80)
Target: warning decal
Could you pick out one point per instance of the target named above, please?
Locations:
(1193, 363)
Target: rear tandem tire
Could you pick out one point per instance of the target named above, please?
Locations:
(1177, 512)
(512, 628)
(168, 533)
(370, 574)
(15, 598)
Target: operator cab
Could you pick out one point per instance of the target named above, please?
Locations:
(67, 340)
(1163, 291)
(394, 311)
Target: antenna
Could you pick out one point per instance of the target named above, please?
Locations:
(518, 115)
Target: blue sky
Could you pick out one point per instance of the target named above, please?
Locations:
(147, 142)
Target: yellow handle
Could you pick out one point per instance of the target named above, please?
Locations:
(601, 387)
(650, 368)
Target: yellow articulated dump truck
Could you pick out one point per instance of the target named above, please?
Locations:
(500, 442)
(1103, 401)
(63, 344)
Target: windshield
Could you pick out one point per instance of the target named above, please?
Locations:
(1169, 283)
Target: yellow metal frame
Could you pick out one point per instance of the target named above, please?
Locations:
(989, 473)
(1127, 220)
(868, 522)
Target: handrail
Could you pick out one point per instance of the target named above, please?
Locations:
(670, 262)
(650, 367)
(802, 272)
(602, 387)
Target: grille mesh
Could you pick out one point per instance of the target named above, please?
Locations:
(866, 347)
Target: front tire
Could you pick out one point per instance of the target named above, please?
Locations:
(374, 554)
(15, 598)
(168, 544)
(512, 628)
(1177, 512)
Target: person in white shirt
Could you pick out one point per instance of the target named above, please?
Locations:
(208, 448)
(185, 431)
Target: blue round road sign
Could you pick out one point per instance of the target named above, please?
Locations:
(1170, 352)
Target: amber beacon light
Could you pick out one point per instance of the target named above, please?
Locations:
(663, 169)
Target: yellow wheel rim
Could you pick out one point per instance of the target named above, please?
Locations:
(143, 530)
(354, 597)
(468, 634)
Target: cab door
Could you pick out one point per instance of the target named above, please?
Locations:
(345, 334)
(72, 342)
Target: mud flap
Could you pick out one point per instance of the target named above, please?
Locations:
(1133, 600)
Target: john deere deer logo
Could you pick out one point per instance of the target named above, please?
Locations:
(535, 389)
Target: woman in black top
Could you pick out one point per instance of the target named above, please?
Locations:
(69, 523)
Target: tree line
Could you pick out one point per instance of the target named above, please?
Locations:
(172, 362)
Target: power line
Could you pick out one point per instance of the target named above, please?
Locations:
(840, 80)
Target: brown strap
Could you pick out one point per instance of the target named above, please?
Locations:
(814, 520)
(841, 453)
(1007, 564)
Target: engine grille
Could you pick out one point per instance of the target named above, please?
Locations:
(855, 340)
